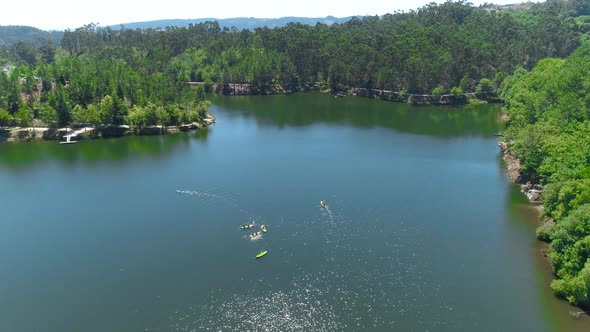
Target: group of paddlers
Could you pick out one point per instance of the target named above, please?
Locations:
(254, 235)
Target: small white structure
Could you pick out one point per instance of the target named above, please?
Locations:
(68, 140)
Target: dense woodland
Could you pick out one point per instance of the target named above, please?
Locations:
(453, 47)
(549, 124)
(101, 76)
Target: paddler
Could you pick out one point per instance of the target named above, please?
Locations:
(254, 235)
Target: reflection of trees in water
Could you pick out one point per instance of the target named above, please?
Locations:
(113, 150)
(306, 109)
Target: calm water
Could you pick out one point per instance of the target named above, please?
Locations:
(422, 231)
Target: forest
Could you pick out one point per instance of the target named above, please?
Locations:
(449, 48)
(549, 127)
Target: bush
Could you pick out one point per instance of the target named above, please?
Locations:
(575, 290)
(456, 91)
(439, 90)
(485, 86)
(4, 117)
(544, 232)
(570, 254)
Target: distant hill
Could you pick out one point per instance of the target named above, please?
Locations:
(240, 23)
(12, 33)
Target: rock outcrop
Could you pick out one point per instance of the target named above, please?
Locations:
(533, 191)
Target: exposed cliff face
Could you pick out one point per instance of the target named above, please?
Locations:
(415, 99)
(255, 89)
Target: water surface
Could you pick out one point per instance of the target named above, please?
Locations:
(421, 233)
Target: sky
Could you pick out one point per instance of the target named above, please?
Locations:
(71, 14)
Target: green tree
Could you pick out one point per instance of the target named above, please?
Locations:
(456, 91)
(137, 117)
(48, 115)
(25, 53)
(485, 86)
(24, 116)
(79, 114)
(4, 117)
(47, 51)
(94, 115)
(59, 102)
(439, 90)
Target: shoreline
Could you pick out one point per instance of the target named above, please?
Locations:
(534, 194)
(533, 191)
(24, 134)
(245, 89)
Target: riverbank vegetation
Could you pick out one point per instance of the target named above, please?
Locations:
(549, 130)
(103, 76)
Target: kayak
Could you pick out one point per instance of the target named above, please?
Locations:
(263, 228)
(262, 253)
(247, 226)
(255, 237)
(323, 204)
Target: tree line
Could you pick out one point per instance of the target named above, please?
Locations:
(452, 45)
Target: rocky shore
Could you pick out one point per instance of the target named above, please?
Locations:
(343, 91)
(533, 191)
(16, 134)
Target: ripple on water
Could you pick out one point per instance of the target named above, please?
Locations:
(356, 285)
(294, 310)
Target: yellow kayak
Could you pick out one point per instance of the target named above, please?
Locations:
(263, 228)
(262, 253)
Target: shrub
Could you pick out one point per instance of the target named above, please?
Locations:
(4, 117)
(439, 90)
(485, 86)
(456, 91)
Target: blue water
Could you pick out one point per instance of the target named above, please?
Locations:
(418, 234)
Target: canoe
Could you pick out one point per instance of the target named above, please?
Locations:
(261, 254)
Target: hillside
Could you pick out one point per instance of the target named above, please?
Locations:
(13, 33)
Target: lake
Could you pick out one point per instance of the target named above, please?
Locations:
(421, 232)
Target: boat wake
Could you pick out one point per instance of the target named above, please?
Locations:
(227, 198)
(328, 212)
